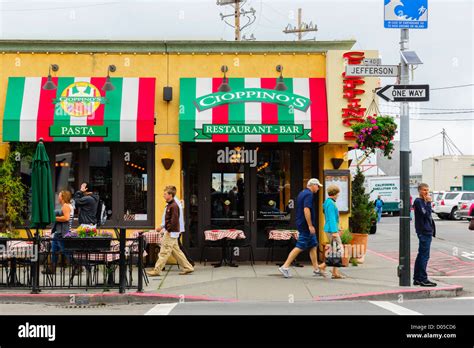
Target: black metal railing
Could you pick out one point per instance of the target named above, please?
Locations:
(85, 263)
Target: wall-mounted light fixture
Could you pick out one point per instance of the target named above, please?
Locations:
(336, 162)
(224, 87)
(280, 85)
(167, 163)
(49, 85)
(108, 86)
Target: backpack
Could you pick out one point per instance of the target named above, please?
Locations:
(101, 213)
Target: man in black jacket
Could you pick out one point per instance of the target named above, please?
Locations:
(87, 202)
(425, 229)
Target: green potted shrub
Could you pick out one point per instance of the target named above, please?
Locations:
(362, 216)
(346, 239)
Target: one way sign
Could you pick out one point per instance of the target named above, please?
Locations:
(405, 93)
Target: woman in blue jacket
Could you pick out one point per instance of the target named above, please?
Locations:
(331, 225)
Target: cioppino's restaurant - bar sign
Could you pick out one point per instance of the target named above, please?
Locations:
(352, 90)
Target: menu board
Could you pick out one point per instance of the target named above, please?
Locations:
(340, 178)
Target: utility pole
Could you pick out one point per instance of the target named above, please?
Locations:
(238, 12)
(237, 20)
(301, 27)
(404, 272)
(444, 139)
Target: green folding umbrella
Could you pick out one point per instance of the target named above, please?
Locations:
(42, 205)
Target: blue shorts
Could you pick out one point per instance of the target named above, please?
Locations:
(306, 240)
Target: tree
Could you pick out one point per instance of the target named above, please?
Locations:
(362, 212)
(12, 189)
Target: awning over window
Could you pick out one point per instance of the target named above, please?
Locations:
(78, 110)
(253, 111)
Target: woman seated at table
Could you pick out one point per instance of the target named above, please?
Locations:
(61, 227)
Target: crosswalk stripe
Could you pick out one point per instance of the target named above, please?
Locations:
(394, 308)
(161, 309)
(463, 298)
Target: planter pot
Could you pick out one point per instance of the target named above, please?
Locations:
(347, 255)
(89, 244)
(359, 242)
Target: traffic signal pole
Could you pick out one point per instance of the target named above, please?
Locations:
(404, 246)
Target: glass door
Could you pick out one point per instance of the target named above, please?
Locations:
(272, 200)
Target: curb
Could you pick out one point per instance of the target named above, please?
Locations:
(112, 298)
(394, 295)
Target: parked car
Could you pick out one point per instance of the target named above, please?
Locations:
(447, 207)
(465, 210)
(436, 196)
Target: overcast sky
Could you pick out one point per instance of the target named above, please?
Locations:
(446, 48)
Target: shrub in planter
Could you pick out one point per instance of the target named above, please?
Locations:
(362, 216)
(346, 238)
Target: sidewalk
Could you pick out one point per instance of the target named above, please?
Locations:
(375, 279)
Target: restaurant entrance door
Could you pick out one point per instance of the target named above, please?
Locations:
(251, 187)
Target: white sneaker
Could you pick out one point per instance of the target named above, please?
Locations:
(285, 272)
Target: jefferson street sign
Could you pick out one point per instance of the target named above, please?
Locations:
(372, 70)
(405, 93)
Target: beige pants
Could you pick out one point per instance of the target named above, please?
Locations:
(170, 246)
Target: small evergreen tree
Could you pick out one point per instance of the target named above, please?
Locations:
(363, 212)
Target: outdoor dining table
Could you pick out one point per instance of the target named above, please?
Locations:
(281, 234)
(284, 234)
(225, 235)
(15, 250)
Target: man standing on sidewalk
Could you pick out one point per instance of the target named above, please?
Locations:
(378, 207)
(169, 244)
(425, 229)
(305, 221)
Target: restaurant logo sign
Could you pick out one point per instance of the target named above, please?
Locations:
(352, 91)
(296, 130)
(80, 99)
(77, 131)
(259, 95)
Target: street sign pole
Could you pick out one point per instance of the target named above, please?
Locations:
(404, 252)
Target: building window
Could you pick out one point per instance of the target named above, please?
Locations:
(136, 184)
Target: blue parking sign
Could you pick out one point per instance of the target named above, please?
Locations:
(406, 14)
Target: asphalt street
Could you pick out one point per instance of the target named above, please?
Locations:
(440, 306)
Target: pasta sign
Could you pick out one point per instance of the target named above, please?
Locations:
(353, 113)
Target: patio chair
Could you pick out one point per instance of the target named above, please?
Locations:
(242, 243)
(207, 244)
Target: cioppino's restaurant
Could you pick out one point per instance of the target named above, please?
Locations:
(237, 127)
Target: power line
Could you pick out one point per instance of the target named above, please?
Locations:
(58, 8)
(417, 141)
(448, 87)
(442, 119)
(422, 108)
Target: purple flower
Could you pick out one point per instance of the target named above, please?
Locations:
(373, 121)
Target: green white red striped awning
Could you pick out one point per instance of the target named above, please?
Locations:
(253, 111)
(78, 110)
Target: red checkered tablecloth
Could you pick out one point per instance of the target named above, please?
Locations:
(283, 234)
(19, 249)
(150, 237)
(222, 234)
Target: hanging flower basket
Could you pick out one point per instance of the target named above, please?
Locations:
(377, 132)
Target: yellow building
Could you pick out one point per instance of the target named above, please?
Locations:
(237, 127)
